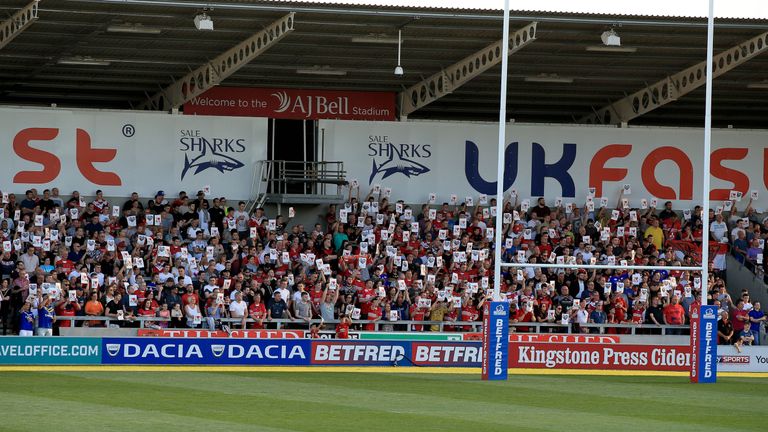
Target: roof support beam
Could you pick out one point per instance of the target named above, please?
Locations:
(17, 23)
(214, 72)
(456, 75)
(678, 85)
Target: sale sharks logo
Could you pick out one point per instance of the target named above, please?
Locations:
(202, 153)
(405, 159)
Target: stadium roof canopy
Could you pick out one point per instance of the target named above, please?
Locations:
(72, 55)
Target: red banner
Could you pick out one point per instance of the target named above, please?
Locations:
(550, 338)
(238, 334)
(296, 104)
(596, 356)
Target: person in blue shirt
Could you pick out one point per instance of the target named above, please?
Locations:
(598, 316)
(47, 267)
(27, 321)
(756, 318)
(46, 316)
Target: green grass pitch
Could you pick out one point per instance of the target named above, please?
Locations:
(317, 401)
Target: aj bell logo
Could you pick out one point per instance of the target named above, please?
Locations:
(397, 159)
(312, 105)
(283, 99)
(202, 153)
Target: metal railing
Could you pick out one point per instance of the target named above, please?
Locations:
(312, 176)
(465, 326)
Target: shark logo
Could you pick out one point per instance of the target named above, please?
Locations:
(207, 160)
(404, 166)
(283, 99)
(217, 350)
(113, 349)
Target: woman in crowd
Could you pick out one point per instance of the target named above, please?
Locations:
(192, 313)
(93, 307)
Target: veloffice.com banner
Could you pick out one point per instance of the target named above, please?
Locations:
(552, 161)
(49, 350)
(121, 152)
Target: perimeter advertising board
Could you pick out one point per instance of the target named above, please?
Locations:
(551, 161)
(749, 359)
(49, 350)
(271, 352)
(129, 151)
(296, 352)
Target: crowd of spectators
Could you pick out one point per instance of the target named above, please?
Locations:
(191, 261)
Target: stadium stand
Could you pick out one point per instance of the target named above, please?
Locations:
(191, 262)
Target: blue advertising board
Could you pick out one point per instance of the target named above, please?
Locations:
(268, 352)
(58, 350)
(495, 341)
(707, 354)
(361, 353)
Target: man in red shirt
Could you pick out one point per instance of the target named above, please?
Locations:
(190, 293)
(418, 314)
(365, 297)
(674, 314)
(342, 328)
(521, 315)
(257, 311)
(316, 297)
(66, 308)
(374, 314)
(739, 317)
(66, 265)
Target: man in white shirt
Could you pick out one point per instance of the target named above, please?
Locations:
(166, 274)
(282, 287)
(208, 289)
(241, 217)
(582, 316)
(182, 277)
(98, 274)
(718, 228)
(30, 260)
(198, 245)
(238, 309)
(194, 229)
(739, 227)
(297, 294)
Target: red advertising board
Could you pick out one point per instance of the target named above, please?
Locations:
(550, 338)
(598, 356)
(694, 346)
(238, 334)
(299, 104)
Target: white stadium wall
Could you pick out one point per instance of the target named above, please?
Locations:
(416, 158)
(121, 152)
(129, 151)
